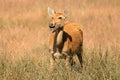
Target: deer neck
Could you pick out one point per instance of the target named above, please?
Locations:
(59, 36)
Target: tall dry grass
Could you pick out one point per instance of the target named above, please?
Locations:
(24, 37)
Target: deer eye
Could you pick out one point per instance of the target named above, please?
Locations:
(59, 17)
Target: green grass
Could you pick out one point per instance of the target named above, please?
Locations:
(96, 67)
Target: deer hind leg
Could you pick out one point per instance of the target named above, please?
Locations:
(69, 62)
(79, 55)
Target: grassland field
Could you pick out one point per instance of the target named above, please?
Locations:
(24, 35)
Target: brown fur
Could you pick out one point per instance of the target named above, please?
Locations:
(66, 42)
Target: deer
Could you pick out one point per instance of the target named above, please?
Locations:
(65, 40)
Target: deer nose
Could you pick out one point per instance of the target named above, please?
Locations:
(51, 25)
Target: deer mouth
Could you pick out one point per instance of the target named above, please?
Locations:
(56, 28)
(52, 26)
(53, 29)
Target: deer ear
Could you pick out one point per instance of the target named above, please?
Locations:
(65, 12)
(51, 12)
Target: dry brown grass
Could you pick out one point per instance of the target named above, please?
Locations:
(24, 31)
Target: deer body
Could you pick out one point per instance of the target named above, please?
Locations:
(66, 40)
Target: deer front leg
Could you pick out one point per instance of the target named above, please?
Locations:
(52, 61)
(51, 48)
